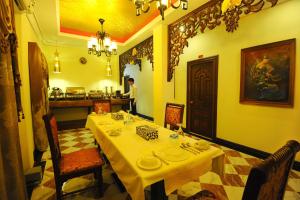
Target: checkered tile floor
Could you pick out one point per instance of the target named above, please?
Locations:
(230, 186)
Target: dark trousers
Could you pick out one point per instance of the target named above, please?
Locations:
(133, 107)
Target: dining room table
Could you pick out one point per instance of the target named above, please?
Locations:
(164, 163)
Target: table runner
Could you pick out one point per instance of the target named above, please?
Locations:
(123, 151)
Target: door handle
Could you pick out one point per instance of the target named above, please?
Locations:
(191, 102)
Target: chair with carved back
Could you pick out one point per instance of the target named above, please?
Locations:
(268, 179)
(102, 105)
(71, 165)
(173, 115)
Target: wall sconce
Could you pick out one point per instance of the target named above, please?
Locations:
(56, 69)
(108, 67)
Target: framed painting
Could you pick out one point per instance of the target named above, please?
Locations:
(268, 73)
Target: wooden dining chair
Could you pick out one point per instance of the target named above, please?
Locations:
(104, 105)
(71, 165)
(268, 179)
(173, 115)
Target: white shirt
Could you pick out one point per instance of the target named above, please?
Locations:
(132, 92)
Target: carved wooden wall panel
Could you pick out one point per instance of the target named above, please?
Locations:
(39, 83)
(143, 49)
(207, 16)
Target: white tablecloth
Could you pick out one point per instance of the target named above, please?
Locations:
(123, 152)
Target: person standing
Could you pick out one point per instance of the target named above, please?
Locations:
(132, 95)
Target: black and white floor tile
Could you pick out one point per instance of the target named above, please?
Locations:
(230, 186)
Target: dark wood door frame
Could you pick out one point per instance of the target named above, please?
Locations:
(215, 60)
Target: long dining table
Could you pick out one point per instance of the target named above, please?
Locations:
(124, 150)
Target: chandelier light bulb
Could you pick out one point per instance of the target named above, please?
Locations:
(164, 2)
(90, 44)
(114, 46)
(107, 42)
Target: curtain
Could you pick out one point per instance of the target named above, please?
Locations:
(12, 184)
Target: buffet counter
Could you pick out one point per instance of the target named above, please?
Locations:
(70, 103)
(84, 103)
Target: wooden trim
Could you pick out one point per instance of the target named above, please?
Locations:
(215, 60)
(145, 117)
(241, 148)
(248, 150)
(71, 103)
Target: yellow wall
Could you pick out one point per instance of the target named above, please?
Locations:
(25, 34)
(144, 82)
(91, 75)
(162, 90)
(261, 127)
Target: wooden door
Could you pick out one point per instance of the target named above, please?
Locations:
(202, 82)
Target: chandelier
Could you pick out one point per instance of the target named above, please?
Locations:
(144, 6)
(102, 44)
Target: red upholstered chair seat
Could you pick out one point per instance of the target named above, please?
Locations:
(80, 160)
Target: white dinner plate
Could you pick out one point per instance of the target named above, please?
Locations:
(148, 163)
(173, 154)
(114, 132)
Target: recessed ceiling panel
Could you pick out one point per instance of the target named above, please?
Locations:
(81, 17)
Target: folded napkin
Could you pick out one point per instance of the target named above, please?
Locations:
(114, 132)
(201, 145)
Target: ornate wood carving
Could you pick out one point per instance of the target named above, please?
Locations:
(133, 55)
(207, 16)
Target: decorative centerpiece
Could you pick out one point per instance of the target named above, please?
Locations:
(117, 116)
(147, 132)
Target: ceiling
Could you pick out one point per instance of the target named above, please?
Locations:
(80, 17)
(69, 22)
